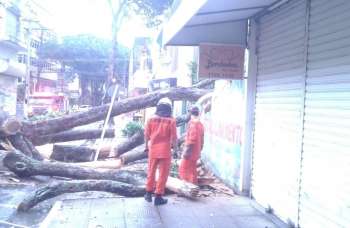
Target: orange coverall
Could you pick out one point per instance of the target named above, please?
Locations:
(160, 133)
(195, 138)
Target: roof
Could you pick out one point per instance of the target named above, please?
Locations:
(214, 21)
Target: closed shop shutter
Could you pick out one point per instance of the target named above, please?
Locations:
(278, 110)
(325, 186)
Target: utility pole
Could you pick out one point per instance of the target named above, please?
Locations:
(28, 63)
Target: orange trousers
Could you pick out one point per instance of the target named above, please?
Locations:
(188, 170)
(163, 164)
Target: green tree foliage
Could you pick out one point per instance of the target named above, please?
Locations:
(153, 10)
(86, 54)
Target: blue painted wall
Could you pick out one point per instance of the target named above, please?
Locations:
(223, 132)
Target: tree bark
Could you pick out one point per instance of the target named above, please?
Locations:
(8, 125)
(58, 188)
(204, 83)
(136, 140)
(46, 127)
(67, 153)
(134, 155)
(72, 135)
(24, 166)
(22, 144)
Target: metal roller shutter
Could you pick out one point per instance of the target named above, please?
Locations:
(325, 188)
(278, 110)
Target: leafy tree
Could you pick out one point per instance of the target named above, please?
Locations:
(86, 55)
(120, 9)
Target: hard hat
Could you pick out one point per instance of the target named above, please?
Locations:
(165, 101)
(195, 110)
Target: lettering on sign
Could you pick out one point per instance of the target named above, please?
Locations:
(221, 61)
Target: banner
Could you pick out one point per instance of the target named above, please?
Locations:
(223, 133)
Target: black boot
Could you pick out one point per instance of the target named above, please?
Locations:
(159, 200)
(148, 196)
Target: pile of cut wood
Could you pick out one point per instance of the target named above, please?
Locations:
(18, 139)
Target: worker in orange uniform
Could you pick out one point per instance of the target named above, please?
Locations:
(193, 146)
(160, 136)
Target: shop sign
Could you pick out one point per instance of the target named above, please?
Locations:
(221, 61)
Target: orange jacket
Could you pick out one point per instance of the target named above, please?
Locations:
(160, 132)
(195, 137)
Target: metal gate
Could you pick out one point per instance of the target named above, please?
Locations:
(279, 109)
(325, 186)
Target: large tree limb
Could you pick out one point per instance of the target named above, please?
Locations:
(72, 135)
(24, 166)
(85, 154)
(134, 155)
(22, 144)
(8, 125)
(58, 188)
(39, 128)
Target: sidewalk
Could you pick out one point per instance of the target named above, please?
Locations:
(231, 212)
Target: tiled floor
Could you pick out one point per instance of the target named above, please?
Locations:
(213, 212)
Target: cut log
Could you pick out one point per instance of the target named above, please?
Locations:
(182, 188)
(68, 153)
(58, 188)
(23, 166)
(24, 145)
(134, 155)
(72, 135)
(129, 144)
(59, 124)
(204, 83)
(8, 125)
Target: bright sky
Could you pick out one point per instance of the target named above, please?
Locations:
(69, 17)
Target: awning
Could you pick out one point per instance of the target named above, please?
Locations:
(211, 21)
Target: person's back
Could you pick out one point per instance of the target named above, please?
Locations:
(195, 137)
(160, 133)
(193, 146)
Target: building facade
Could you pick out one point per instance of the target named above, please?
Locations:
(10, 44)
(295, 159)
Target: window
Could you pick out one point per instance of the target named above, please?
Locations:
(12, 25)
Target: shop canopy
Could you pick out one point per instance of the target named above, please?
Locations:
(211, 21)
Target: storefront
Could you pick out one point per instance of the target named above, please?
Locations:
(9, 74)
(295, 159)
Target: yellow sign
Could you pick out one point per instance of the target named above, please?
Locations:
(221, 61)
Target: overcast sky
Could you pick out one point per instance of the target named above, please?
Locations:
(68, 17)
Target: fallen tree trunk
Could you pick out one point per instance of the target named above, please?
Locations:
(182, 188)
(134, 155)
(8, 125)
(72, 135)
(22, 144)
(46, 127)
(61, 187)
(24, 166)
(69, 153)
